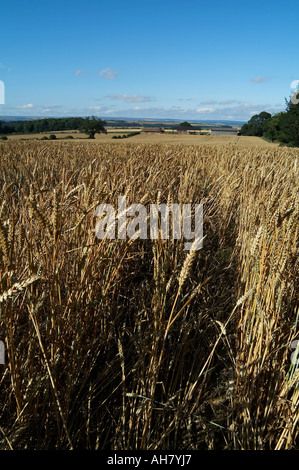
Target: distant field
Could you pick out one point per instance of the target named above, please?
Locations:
(167, 138)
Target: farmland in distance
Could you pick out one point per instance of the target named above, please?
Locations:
(155, 138)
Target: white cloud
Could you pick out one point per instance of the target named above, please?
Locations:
(95, 108)
(51, 107)
(25, 106)
(155, 111)
(238, 111)
(259, 79)
(205, 110)
(102, 109)
(222, 103)
(225, 102)
(78, 73)
(108, 74)
(208, 102)
(109, 111)
(130, 98)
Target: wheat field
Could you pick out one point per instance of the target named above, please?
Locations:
(139, 344)
(155, 138)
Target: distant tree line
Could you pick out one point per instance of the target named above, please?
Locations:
(6, 128)
(185, 126)
(37, 126)
(281, 127)
(89, 125)
(125, 136)
(41, 125)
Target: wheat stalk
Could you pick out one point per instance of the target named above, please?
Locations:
(18, 287)
(3, 240)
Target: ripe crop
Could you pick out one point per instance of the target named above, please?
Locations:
(138, 344)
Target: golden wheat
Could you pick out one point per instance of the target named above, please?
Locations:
(137, 344)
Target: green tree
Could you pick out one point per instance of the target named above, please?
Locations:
(289, 125)
(93, 125)
(256, 124)
(272, 127)
(28, 127)
(185, 125)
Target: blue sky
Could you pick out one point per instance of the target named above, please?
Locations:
(190, 60)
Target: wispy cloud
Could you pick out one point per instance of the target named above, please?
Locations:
(259, 79)
(78, 73)
(130, 98)
(25, 106)
(226, 102)
(102, 109)
(51, 107)
(95, 108)
(240, 111)
(208, 102)
(237, 111)
(5, 67)
(221, 103)
(108, 74)
(205, 110)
